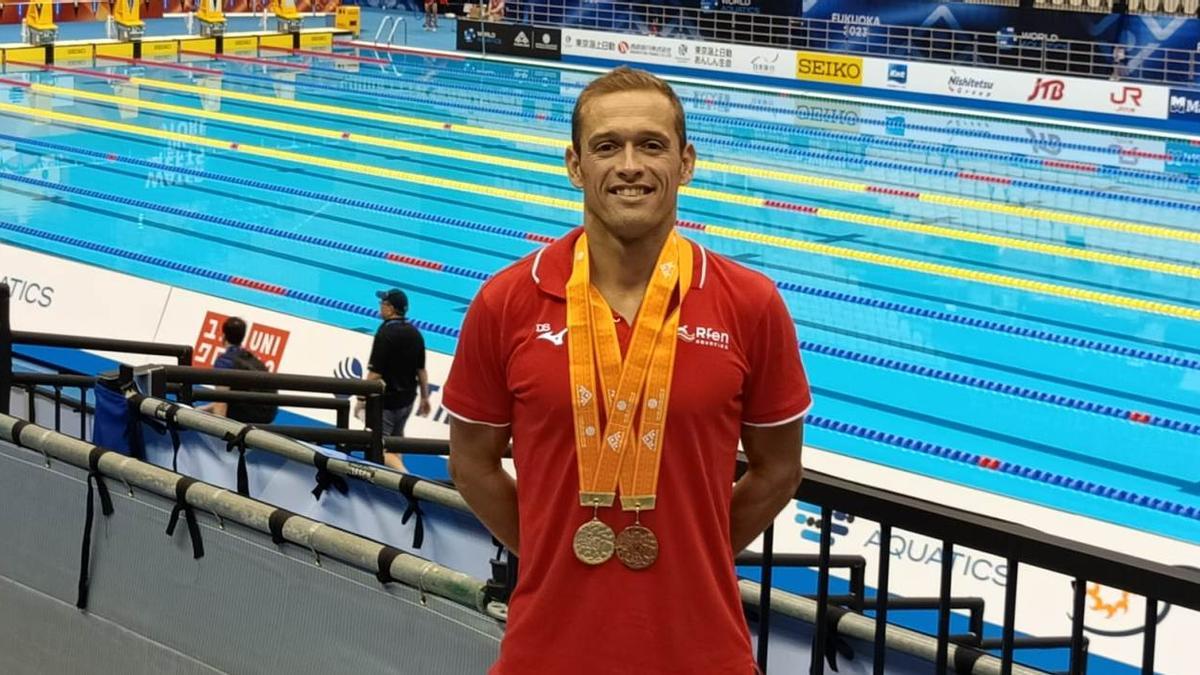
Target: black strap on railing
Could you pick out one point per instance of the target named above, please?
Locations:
(326, 478)
(407, 483)
(189, 514)
(387, 555)
(275, 523)
(835, 644)
(96, 479)
(238, 442)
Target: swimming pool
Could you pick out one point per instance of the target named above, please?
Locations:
(1003, 304)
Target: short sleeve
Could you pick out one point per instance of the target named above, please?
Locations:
(776, 389)
(477, 389)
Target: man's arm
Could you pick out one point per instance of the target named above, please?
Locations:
(475, 453)
(360, 403)
(218, 408)
(423, 381)
(773, 473)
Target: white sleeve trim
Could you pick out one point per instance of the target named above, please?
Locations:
(533, 272)
(793, 418)
(468, 420)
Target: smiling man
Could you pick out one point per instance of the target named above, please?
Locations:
(625, 363)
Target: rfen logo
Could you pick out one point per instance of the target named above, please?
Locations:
(265, 342)
(703, 335)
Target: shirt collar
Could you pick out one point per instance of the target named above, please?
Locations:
(552, 264)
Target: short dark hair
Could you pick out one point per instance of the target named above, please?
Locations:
(621, 79)
(234, 330)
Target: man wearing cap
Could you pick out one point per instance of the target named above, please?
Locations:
(397, 358)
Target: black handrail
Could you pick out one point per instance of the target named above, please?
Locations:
(340, 406)
(181, 353)
(162, 378)
(6, 345)
(250, 379)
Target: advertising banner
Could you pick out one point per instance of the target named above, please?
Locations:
(728, 58)
(832, 68)
(510, 40)
(56, 295)
(1021, 88)
(1184, 105)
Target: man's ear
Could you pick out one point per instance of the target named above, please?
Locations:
(689, 164)
(571, 158)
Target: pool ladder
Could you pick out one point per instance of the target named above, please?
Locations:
(397, 21)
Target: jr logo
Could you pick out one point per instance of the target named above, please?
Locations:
(1128, 96)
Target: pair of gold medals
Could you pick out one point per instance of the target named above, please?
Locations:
(612, 455)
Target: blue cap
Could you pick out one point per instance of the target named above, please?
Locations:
(396, 298)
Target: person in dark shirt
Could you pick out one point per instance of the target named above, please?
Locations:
(234, 332)
(397, 358)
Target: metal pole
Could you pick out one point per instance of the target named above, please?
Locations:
(943, 625)
(881, 597)
(5, 348)
(1010, 617)
(764, 599)
(1078, 659)
(817, 666)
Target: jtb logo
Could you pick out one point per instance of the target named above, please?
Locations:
(1048, 90)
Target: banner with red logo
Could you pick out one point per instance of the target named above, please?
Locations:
(1132, 99)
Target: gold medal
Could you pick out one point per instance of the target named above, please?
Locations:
(594, 542)
(637, 547)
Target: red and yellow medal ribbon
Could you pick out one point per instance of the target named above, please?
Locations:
(643, 377)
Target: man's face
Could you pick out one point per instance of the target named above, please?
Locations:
(630, 163)
(386, 310)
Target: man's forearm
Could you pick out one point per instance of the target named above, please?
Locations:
(757, 499)
(492, 496)
(423, 379)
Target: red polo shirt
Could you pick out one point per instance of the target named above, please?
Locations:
(737, 363)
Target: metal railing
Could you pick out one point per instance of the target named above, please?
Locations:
(1020, 546)
(851, 614)
(910, 43)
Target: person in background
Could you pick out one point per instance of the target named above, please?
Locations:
(495, 10)
(397, 358)
(431, 12)
(235, 357)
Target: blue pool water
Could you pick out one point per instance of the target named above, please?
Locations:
(1028, 325)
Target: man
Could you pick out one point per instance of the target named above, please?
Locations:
(431, 12)
(625, 363)
(397, 358)
(234, 357)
